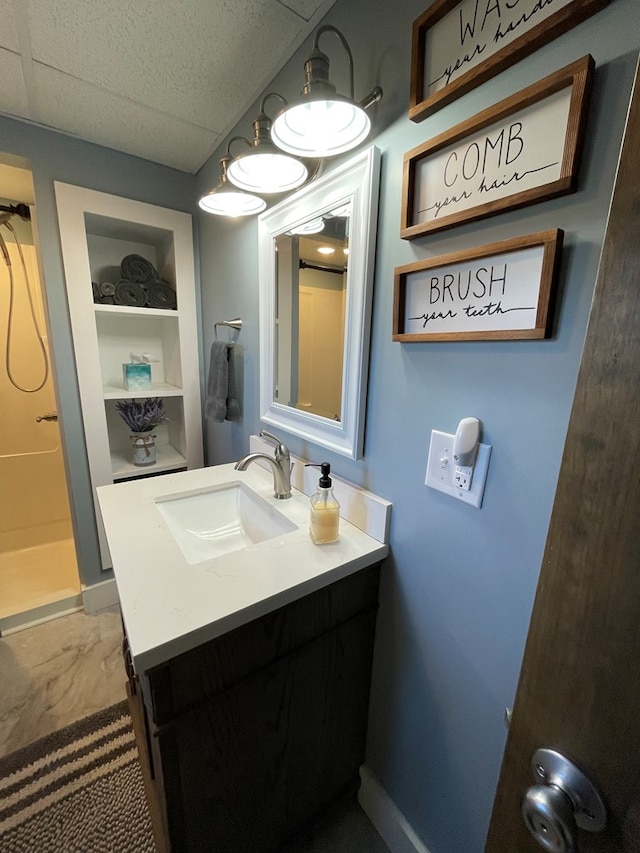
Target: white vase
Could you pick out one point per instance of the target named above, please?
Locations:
(144, 448)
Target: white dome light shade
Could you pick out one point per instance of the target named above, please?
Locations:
(264, 168)
(226, 201)
(267, 172)
(321, 128)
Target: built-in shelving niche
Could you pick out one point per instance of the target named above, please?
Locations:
(97, 231)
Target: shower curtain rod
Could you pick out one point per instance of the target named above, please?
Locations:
(306, 266)
(19, 209)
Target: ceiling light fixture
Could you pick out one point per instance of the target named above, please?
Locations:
(265, 168)
(227, 200)
(323, 123)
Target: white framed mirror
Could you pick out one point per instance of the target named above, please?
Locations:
(317, 251)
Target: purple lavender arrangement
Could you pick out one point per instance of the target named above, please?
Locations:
(142, 416)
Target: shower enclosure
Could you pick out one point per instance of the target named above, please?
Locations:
(38, 568)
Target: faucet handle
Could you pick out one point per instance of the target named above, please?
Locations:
(282, 451)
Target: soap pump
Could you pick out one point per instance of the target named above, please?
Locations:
(324, 519)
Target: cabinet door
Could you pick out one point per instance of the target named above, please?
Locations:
(247, 771)
(270, 721)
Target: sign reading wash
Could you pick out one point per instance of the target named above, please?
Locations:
(518, 152)
(475, 29)
(497, 291)
(458, 44)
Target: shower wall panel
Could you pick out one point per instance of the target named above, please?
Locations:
(34, 506)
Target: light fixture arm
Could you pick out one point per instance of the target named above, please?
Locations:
(236, 139)
(262, 124)
(327, 28)
(271, 95)
(228, 157)
(372, 98)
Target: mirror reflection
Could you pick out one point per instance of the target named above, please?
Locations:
(316, 360)
(310, 302)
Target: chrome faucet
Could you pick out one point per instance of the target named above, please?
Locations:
(280, 464)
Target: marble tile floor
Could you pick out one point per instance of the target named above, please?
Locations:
(61, 671)
(58, 672)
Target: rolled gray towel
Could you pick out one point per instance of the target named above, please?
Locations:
(130, 293)
(160, 294)
(107, 288)
(137, 268)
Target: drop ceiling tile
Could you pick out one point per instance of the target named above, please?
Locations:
(85, 111)
(304, 8)
(198, 61)
(13, 95)
(8, 32)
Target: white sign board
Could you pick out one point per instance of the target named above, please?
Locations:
(520, 151)
(459, 44)
(497, 291)
(509, 156)
(475, 29)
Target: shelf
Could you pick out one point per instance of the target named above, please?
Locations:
(132, 311)
(169, 459)
(161, 389)
(120, 334)
(97, 231)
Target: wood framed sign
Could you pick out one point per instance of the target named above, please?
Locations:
(458, 44)
(518, 152)
(501, 291)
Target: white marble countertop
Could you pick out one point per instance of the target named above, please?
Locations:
(170, 607)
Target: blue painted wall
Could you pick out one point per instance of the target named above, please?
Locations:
(55, 157)
(457, 593)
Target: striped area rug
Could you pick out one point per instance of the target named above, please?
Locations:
(79, 790)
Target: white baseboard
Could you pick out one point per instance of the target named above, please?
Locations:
(392, 825)
(99, 596)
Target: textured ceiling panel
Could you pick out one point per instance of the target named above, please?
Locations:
(162, 80)
(8, 33)
(98, 116)
(13, 96)
(305, 8)
(195, 60)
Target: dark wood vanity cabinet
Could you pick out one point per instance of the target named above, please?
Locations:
(250, 736)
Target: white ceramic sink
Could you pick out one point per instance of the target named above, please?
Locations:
(206, 523)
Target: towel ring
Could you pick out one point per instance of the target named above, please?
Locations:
(234, 327)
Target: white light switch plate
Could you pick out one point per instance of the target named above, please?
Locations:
(441, 469)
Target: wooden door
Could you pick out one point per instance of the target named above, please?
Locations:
(579, 689)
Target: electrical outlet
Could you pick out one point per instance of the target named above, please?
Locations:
(462, 477)
(455, 480)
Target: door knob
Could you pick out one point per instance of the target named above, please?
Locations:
(563, 800)
(50, 416)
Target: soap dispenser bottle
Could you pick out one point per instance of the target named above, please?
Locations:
(324, 521)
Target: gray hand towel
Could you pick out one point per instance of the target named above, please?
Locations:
(233, 406)
(215, 407)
